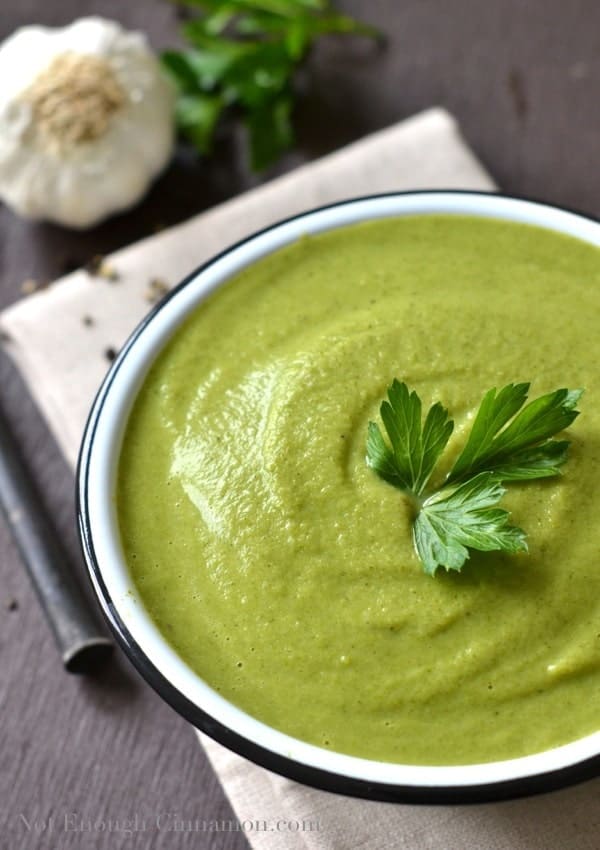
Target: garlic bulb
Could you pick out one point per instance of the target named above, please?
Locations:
(86, 121)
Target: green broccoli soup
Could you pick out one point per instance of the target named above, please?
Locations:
(282, 569)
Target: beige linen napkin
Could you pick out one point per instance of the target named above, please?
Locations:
(59, 340)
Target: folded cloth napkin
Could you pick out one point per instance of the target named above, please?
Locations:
(60, 339)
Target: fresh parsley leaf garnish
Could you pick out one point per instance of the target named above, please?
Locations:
(523, 449)
(242, 61)
(508, 442)
(450, 523)
(415, 449)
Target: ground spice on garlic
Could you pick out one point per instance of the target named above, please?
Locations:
(74, 99)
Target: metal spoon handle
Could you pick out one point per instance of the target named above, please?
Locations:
(78, 636)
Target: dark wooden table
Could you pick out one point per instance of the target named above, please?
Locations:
(523, 78)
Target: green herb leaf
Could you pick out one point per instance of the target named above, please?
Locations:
(197, 116)
(451, 523)
(508, 442)
(416, 448)
(522, 450)
(199, 71)
(244, 56)
(270, 130)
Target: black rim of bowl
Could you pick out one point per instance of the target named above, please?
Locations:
(288, 767)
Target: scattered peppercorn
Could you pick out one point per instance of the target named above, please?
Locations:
(99, 267)
(157, 287)
(29, 286)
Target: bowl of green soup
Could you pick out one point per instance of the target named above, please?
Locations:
(265, 581)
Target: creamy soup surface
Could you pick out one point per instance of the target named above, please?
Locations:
(282, 569)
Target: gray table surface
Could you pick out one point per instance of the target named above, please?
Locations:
(523, 78)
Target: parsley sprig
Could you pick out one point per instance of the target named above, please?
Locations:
(242, 60)
(509, 441)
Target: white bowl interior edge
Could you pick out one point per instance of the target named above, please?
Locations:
(105, 447)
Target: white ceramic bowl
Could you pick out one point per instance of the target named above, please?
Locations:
(140, 638)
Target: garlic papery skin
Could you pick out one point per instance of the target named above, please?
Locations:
(86, 121)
